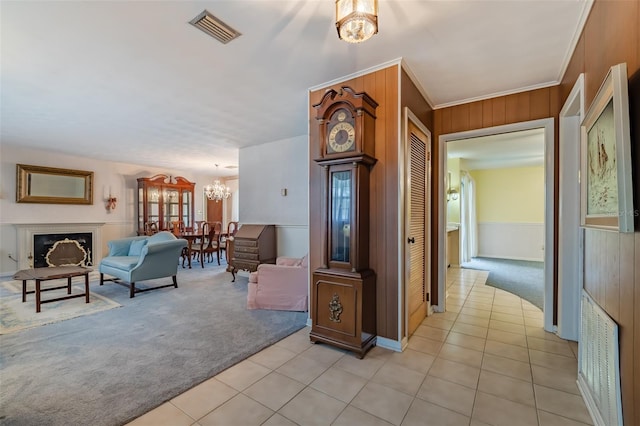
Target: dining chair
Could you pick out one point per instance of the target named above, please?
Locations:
(177, 227)
(210, 244)
(232, 228)
(151, 228)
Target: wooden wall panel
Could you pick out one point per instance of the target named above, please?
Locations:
(411, 97)
(445, 121)
(518, 107)
(460, 118)
(475, 115)
(612, 261)
(390, 203)
(610, 277)
(575, 67)
(633, 370)
(487, 113)
(382, 86)
(611, 37)
(539, 104)
(499, 114)
(625, 318)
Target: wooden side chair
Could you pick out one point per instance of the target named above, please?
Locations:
(210, 243)
(232, 228)
(151, 228)
(177, 227)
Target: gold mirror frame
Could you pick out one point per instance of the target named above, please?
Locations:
(50, 185)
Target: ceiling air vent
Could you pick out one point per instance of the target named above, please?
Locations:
(214, 27)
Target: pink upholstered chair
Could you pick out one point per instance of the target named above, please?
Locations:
(283, 286)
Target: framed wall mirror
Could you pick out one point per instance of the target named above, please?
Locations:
(50, 185)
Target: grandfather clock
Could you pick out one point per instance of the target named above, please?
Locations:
(344, 288)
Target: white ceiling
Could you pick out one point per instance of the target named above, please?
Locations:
(133, 81)
(515, 149)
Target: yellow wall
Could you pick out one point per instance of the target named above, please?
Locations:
(510, 195)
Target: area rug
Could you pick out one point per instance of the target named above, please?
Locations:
(520, 277)
(108, 368)
(17, 316)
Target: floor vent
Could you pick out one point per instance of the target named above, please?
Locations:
(599, 364)
(213, 26)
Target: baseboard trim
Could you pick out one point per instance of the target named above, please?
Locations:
(390, 344)
(530, 259)
(437, 308)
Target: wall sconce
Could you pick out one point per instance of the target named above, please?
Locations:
(452, 194)
(111, 203)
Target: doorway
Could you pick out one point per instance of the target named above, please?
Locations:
(547, 128)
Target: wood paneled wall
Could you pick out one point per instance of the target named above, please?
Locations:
(383, 87)
(525, 106)
(411, 97)
(612, 260)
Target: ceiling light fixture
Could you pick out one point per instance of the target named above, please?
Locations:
(217, 191)
(356, 20)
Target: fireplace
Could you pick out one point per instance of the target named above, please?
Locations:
(74, 249)
(35, 241)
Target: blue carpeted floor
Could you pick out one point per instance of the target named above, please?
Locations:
(520, 277)
(112, 366)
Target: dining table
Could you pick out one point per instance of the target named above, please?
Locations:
(192, 236)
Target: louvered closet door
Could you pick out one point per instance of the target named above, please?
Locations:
(418, 209)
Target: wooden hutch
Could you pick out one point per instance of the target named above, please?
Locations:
(164, 199)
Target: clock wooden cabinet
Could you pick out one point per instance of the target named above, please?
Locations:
(164, 199)
(344, 287)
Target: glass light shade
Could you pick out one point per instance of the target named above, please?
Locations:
(217, 191)
(356, 20)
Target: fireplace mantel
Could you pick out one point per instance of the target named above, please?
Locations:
(26, 231)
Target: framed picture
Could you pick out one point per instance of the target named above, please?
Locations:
(605, 169)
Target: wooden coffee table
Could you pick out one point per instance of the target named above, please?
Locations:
(53, 273)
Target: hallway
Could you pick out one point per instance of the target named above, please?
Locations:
(486, 361)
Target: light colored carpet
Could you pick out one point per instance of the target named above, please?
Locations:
(110, 367)
(16, 315)
(520, 277)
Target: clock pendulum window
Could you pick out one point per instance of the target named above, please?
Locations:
(343, 296)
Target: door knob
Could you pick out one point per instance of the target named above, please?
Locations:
(411, 240)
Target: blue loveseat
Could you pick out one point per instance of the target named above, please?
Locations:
(142, 258)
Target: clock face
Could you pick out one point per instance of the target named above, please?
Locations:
(342, 137)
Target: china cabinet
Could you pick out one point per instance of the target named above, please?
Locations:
(164, 199)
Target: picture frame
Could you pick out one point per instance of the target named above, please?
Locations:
(606, 193)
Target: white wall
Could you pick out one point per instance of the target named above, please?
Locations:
(518, 241)
(119, 176)
(265, 170)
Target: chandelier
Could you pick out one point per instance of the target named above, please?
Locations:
(217, 191)
(356, 20)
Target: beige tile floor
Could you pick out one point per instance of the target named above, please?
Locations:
(486, 361)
